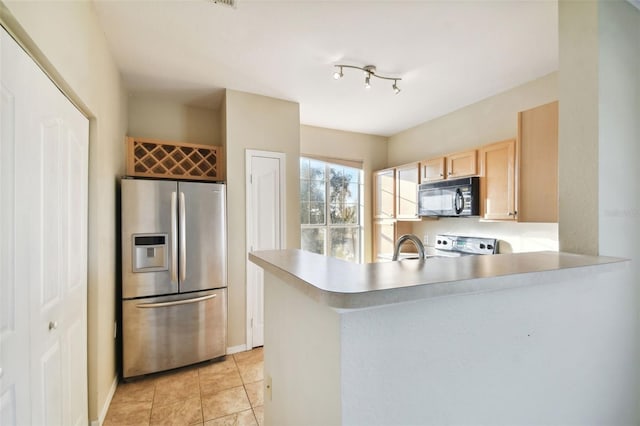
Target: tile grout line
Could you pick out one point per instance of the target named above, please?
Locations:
(200, 393)
(153, 400)
(244, 387)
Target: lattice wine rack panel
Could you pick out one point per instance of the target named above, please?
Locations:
(175, 160)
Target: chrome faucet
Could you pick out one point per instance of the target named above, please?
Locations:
(408, 237)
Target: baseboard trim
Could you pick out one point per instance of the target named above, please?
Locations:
(236, 349)
(107, 402)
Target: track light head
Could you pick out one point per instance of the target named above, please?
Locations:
(395, 87)
(338, 74)
(367, 81)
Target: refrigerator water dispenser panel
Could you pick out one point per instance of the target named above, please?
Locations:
(150, 252)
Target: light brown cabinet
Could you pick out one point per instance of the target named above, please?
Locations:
(433, 169)
(498, 180)
(407, 180)
(452, 166)
(384, 238)
(538, 164)
(384, 194)
(385, 234)
(395, 192)
(395, 201)
(519, 180)
(462, 164)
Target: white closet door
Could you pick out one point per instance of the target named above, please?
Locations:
(264, 229)
(44, 216)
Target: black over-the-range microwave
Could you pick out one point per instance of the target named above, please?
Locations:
(453, 197)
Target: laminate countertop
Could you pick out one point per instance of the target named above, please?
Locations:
(340, 284)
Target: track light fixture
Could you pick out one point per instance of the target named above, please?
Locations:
(369, 71)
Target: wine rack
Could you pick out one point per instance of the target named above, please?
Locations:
(174, 160)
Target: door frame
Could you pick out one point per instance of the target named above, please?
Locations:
(250, 293)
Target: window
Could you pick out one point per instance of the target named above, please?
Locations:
(331, 209)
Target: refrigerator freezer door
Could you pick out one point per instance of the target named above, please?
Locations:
(162, 333)
(149, 238)
(203, 239)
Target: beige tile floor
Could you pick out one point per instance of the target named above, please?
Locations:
(224, 393)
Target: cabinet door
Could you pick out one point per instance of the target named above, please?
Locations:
(538, 164)
(384, 238)
(384, 194)
(432, 170)
(462, 164)
(407, 179)
(497, 180)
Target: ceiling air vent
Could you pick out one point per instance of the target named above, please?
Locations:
(229, 3)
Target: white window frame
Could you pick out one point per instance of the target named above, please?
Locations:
(327, 216)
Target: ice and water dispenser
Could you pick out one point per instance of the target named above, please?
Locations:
(150, 252)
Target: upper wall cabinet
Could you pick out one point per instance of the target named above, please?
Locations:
(538, 164)
(407, 180)
(433, 169)
(498, 180)
(462, 164)
(395, 192)
(452, 166)
(384, 194)
(519, 181)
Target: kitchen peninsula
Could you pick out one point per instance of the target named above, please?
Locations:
(532, 338)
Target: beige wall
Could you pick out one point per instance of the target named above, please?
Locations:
(619, 130)
(370, 149)
(260, 123)
(599, 87)
(578, 111)
(69, 38)
(158, 118)
(619, 150)
(492, 119)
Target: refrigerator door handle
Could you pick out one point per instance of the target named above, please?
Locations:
(174, 238)
(177, 302)
(183, 239)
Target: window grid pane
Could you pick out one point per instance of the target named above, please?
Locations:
(345, 243)
(313, 240)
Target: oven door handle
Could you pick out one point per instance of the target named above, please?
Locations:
(458, 206)
(176, 302)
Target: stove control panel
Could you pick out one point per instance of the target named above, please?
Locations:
(466, 245)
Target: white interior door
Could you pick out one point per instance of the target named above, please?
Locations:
(43, 192)
(265, 229)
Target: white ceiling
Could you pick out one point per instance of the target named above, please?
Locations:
(448, 53)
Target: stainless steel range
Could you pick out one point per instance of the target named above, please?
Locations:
(455, 245)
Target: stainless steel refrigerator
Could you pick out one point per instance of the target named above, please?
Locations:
(174, 274)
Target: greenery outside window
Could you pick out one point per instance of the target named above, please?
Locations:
(331, 207)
